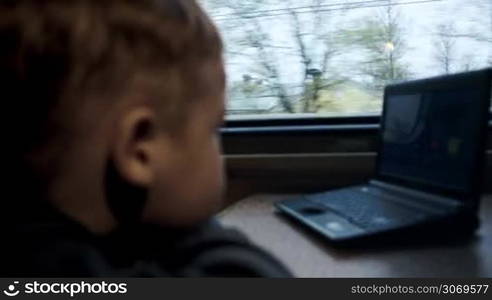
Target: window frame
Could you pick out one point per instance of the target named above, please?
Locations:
(311, 127)
(272, 126)
(299, 124)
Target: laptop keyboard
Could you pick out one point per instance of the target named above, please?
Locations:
(368, 211)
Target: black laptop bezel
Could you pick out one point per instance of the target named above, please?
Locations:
(476, 79)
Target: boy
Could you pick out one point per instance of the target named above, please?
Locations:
(111, 110)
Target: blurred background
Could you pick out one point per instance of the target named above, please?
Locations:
(309, 58)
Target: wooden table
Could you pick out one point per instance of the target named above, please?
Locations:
(307, 255)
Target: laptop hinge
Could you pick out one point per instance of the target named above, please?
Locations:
(418, 194)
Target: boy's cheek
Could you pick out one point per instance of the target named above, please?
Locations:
(187, 196)
(183, 209)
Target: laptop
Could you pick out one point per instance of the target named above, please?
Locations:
(429, 167)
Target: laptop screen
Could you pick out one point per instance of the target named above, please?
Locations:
(432, 137)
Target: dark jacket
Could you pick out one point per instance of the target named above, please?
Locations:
(52, 245)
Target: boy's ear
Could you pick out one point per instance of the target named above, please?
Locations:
(134, 144)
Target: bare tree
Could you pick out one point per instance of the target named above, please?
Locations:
(382, 40)
(255, 38)
(316, 73)
(481, 31)
(305, 35)
(445, 47)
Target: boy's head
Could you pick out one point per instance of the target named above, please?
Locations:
(112, 102)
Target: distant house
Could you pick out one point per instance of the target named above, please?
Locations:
(251, 97)
(250, 105)
(349, 97)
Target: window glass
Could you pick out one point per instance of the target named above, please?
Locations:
(321, 57)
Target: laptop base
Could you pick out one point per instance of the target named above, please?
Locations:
(341, 230)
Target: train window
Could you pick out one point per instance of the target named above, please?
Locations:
(322, 58)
